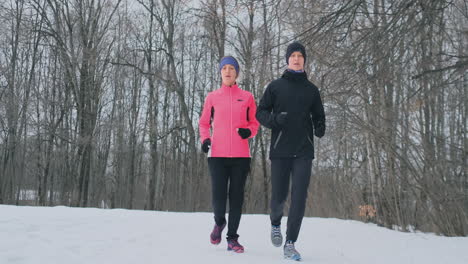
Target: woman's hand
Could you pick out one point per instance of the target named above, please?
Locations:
(244, 132)
(206, 145)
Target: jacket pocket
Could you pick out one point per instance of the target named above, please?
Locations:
(310, 132)
(278, 139)
(310, 140)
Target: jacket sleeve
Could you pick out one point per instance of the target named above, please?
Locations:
(264, 110)
(205, 119)
(253, 122)
(318, 116)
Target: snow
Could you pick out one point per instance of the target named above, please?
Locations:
(89, 235)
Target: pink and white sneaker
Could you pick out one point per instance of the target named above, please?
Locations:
(215, 236)
(233, 245)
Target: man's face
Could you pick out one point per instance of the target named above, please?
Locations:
(296, 61)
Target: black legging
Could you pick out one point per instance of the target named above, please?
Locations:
(299, 170)
(230, 172)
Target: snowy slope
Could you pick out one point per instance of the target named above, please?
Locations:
(87, 235)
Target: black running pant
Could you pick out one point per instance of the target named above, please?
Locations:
(299, 170)
(228, 177)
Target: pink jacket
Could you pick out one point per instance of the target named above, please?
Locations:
(231, 108)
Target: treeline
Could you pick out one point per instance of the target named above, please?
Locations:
(100, 100)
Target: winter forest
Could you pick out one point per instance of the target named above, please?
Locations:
(100, 101)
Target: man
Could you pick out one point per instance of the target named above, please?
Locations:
(292, 108)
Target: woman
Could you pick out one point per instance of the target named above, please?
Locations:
(230, 114)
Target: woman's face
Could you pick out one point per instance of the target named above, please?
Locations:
(228, 75)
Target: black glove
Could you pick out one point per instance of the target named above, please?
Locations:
(319, 129)
(281, 118)
(206, 145)
(244, 132)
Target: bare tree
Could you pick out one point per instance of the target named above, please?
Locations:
(85, 62)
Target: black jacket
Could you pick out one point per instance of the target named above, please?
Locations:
(295, 94)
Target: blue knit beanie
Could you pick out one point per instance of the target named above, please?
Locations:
(229, 60)
(295, 46)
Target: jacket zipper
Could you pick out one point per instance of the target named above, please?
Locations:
(230, 123)
(310, 140)
(277, 139)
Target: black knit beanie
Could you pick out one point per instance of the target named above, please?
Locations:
(295, 46)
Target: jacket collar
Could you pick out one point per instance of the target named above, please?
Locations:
(294, 76)
(226, 88)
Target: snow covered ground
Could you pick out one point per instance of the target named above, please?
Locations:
(86, 235)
